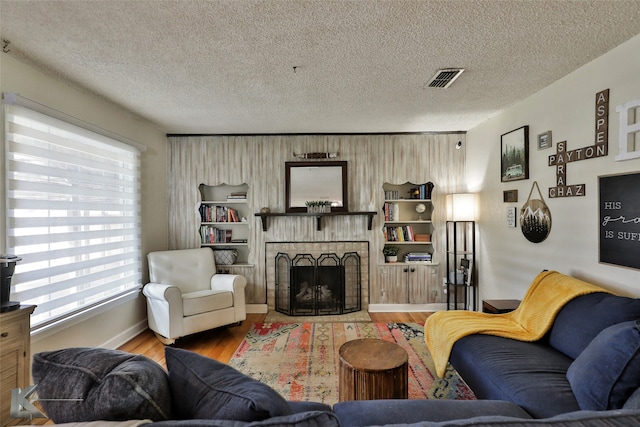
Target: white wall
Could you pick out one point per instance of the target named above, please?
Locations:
(112, 326)
(507, 261)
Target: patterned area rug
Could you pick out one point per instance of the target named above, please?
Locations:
(300, 360)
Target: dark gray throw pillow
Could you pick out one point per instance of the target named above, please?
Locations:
(90, 384)
(203, 388)
(607, 372)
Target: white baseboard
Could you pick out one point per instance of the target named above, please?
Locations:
(126, 335)
(400, 308)
(140, 327)
(257, 308)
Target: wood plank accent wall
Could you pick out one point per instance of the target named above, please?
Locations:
(259, 162)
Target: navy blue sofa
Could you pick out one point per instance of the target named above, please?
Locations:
(589, 360)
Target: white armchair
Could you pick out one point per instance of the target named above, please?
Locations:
(185, 295)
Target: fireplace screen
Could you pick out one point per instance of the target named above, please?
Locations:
(306, 286)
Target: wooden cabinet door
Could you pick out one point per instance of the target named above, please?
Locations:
(14, 359)
(393, 286)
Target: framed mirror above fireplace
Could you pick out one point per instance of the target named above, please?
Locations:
(316, 181)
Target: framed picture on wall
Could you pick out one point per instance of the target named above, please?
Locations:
(514, 151)
(544, 140)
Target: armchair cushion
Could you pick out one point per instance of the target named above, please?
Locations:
(188, 269)
(204, 301)
(203, 388)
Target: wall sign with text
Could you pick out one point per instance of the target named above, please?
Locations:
(564, 156)
(620, 219)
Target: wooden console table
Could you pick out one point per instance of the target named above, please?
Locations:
(373, 369)
(265, 216)
(497, 306)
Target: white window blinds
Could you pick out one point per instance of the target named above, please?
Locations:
(73, 215)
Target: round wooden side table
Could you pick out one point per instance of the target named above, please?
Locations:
(373, 369)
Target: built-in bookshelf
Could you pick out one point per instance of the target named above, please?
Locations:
(224, 224)
(407, 223)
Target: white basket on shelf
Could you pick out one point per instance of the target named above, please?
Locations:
(225, 256)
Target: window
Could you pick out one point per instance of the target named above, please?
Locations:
(73, 215)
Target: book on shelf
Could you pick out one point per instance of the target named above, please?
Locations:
(210, 234)
(237, 196)
(209, 213)
(402, 233)
(391, 194)
(391, 211)
(422, 191)
(417, 257)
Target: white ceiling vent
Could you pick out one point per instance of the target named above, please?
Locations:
(444, 78)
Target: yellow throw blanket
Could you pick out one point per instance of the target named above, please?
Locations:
(548, 293)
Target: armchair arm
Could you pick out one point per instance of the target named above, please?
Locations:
(228, 282)
(236, 284)
(164, 309)
(162, 292)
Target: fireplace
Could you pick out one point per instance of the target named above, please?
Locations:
(344, 260)
(309, 286)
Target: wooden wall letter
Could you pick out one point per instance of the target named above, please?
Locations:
(599, 149)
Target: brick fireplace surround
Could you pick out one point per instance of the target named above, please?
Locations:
(315, 249)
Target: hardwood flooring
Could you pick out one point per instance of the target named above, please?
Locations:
(221, 343)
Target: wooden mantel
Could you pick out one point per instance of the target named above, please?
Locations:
(265, 216)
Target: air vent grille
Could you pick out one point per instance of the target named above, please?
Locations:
(444, 78)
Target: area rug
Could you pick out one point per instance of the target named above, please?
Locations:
(358, 316)
(300, 360)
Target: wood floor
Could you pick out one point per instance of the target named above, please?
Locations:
(221, 343)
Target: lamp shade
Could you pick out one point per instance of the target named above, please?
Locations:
(461, 207)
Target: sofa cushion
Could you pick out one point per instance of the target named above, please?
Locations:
(108, 385)
(576, 325)
(529, 374)
(302, 419)
(205, 388)
(619, 418)
(607, 372)
(390, 411)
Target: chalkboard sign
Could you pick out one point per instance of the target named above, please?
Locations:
(620, 220)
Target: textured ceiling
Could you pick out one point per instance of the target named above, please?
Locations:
(198, 66)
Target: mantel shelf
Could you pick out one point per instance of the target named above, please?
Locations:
(265, 216)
